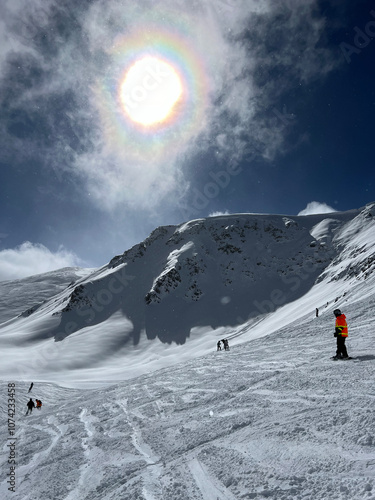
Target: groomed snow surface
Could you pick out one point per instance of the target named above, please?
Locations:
(272, 418)
(166, 417)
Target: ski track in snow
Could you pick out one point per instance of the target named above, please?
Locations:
(88, 474)
(40, 456)
(210, 488)
(273, 418)
(151, 489)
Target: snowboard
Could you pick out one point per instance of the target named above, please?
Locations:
(341, 359)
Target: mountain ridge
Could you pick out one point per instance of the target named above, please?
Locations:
(185, 285)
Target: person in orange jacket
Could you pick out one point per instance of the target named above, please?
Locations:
(341, 333)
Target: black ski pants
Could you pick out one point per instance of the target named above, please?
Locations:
(341, 347)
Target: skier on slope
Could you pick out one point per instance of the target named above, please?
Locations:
(341, 333)
(30, 405)
(226, 344)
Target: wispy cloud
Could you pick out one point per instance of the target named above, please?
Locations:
(61, 64)
(316, 207)
(29, 259)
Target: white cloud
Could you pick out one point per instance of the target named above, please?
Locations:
(228, 50)
(29, 259)
(315, 207)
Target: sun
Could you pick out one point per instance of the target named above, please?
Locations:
(150, 90)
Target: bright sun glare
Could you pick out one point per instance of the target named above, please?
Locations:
(150, 91)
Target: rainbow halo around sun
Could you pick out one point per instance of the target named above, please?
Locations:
(152, 99)
(150, 91)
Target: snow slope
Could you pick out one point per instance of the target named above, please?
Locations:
(272, 418)
(18, 295)
(172, 296)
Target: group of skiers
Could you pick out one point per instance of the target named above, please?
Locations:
(30, 404)
(225, 345)
(341, 334)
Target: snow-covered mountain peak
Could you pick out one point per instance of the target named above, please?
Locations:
(184, 284)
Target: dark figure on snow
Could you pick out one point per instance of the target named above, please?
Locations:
(31, 386)
(219, 346)
(316, 312)
(30, 405)
(38, 404)
(341, 333)
(226, 344)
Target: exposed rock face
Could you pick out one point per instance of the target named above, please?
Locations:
(218, 271)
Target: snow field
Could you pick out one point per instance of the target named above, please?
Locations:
(272, 418)
(148, 417)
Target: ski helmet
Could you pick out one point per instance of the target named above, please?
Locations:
(337, 312)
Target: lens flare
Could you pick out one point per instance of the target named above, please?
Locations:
(150, 91)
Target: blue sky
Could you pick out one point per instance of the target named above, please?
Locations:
(277, 112)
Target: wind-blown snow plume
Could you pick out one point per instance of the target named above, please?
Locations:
(28, 259)
(316, 207)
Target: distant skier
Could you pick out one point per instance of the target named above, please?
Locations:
(341, 333)
(316, 312)
(31, 386)
(38, 404)
(219, 346)
(226, 344)
(30, 405)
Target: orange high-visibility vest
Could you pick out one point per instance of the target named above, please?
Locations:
(341, 325)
